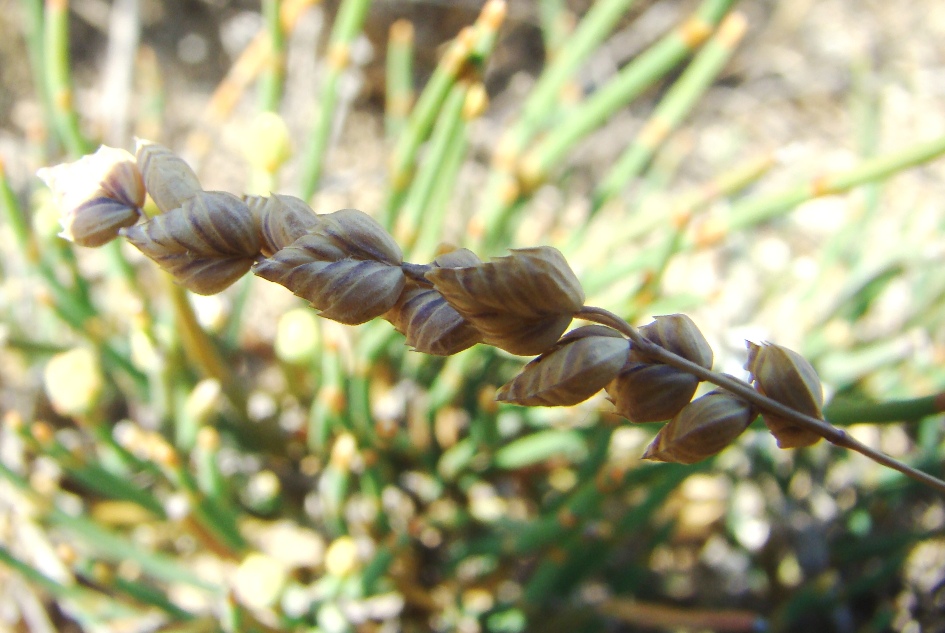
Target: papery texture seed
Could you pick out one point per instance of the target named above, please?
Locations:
(521, 303)
(784, 375)
(207, 244)
(358, 235)
(97, 195)
(703, 428)
(347, 267)
(680, 335)
(281, 220)
(576, 368)
(169, 180)
(429, 323)
(651, 392)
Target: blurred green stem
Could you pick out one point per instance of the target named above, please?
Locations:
(270, 83)
(347, 25)
(845, 413)
(201, 349)
(761, 208)
(58, 80)
(399, 79)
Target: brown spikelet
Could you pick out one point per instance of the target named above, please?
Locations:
(347, 267)
(521, 303)
(429, 323)
(651, 392)
(281, 220)
(576, 368)
(98, 195)
(169, 180)
(207, 244)
(680, 335)
(784, 375)
(703, 428)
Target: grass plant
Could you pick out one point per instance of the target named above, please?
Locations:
(209, 473)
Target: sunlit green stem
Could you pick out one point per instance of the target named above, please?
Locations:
(347, 25)
(58, 80)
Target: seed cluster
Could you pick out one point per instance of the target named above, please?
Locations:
(351, 270)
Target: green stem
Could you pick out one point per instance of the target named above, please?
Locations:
(270, 83)
(202, 351)
(399, 78)
(675, 105)
(347, 25)
(762, 208)
(33, 10)
(629, 83)
(414, 216)
(58, 79)
(911, 410)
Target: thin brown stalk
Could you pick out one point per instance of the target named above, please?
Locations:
(832, 434)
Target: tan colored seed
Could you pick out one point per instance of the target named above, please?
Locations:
(576, 368)
(784, 375)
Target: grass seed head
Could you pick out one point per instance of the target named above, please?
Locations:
(703, 428)
(206, 245)
(576, 368)
(169, 180)
(521, 303)
(784, 375)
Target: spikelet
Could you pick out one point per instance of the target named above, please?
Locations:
(576, 368)
(347, 267)
(207, 244)
(98, 195)
(703, 428)
(521, 303)
(429, 323)
(169, 180)
(280, 219)
(784, 375)
(650, 392)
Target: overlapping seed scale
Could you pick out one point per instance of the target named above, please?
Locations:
(680, 335)
(170, 181)
(123, 183)
(650, 392)
(359, 236)
(703, 428)
(521, 303)
(97, 221)
(344, 289)
(579, 366)
(784, 375)
(281, 219)
(207, 244)
(430, 324)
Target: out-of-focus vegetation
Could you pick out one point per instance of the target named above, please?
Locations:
(181, 463)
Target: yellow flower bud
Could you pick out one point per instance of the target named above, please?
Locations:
(74, 382)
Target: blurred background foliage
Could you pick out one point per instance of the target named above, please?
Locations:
(180, 463)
